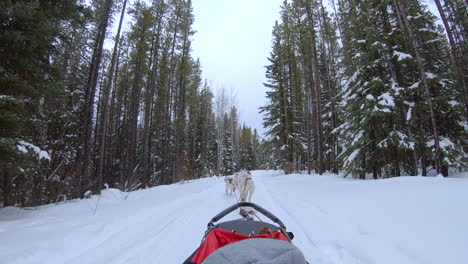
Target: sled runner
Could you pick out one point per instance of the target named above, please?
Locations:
(246, 240)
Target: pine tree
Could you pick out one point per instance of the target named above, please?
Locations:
(392, 63)
(229, 165)
(369, 98)
(277, 114)
(148, 90)
(210, 164)
(31, 92)
(454, 16)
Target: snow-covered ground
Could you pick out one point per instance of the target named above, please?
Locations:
(400, 220)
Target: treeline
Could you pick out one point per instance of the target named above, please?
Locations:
(368, 87)
(76, 117)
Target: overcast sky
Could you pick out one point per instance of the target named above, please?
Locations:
(233, 41)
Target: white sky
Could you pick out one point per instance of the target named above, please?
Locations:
(233, 41)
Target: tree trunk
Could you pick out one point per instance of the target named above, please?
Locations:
(330, 63)
(116, 103)
(105, 104)
(133, 119)
(316, 90)
(421, 145)
(285, 126)
(180, 119)
(168, 111)
(150, 91)
(84, 150)
(308, 101)
(7, 185)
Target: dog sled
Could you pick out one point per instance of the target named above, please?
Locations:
(246, 240)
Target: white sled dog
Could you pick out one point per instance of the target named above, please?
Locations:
(230, 185)
(246, 186)
(237, 180)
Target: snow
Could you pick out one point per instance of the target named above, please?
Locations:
(23, 146)
(413, 17)
(464, 124)
(396, 88)
(425, 30)
(430, 75)
(352, 156)
(414, 85)
(408, 114)
(7, 97)
(401, 55)
(357, 137)
(406, 220)
(444, 143)
(402, 139)
(444, 82)
(43, 155)
(351, 80)
(386, 99)
(385, 110)
(453, 103)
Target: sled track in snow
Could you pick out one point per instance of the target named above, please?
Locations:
(148, 234)
(274, 206)
(312, 249)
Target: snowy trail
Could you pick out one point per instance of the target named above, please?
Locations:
(158, 234)
(408, 220)
(312, 218)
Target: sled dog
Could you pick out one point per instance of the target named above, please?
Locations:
(230, 185)
(237, 180)
(246, 186)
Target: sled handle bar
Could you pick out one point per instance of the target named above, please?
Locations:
(233, 207)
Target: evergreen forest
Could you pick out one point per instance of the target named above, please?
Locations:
(366, 88)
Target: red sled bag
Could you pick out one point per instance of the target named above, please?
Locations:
(246, 240)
